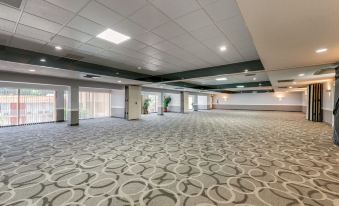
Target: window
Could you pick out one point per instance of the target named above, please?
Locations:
(26, 106)
(94, 104)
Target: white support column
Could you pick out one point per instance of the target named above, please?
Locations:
(60, 105)
(161, 104)
(74, 106)
(195, 103)
(183, 102)
(133, 102)
(209, 102)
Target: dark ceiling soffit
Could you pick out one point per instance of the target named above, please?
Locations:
(223, 86)
(251, 66)
(246, 91)
(29, 57)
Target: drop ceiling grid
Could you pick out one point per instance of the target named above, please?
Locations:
(202, 58)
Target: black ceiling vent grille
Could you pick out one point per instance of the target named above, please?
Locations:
(91, 76)
(12, 3)
(73, 57)
(282, 87)
(249, 75)
(325, 71)
(285, 80)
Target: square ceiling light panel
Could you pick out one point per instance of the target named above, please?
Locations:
(113, 36)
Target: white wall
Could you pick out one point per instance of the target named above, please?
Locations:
(293, 98)
(328, 95)
(328, 101)
(175, 99)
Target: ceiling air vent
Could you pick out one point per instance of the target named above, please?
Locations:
(73, 57)
(12, 3)
(91, 76)
(249, 75)
(285, 80)
(282, 87)
(325, 71)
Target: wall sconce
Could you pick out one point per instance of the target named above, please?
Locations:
(280, 96)
(329, 92)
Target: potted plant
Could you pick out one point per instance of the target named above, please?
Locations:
(146, 105)
(167, 101)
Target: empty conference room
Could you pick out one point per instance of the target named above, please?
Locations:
(169, 103)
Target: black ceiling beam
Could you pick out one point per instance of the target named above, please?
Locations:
(250, 66)
(30, 57)
(33, 58)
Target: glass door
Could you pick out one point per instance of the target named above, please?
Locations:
(94, 104)
(26, 106)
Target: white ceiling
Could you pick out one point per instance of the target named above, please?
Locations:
(288, 32)
(166, 36)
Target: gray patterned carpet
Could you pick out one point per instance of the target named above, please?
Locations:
(198, 159)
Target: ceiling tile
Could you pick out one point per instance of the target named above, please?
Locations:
(169, 30)
(128, 28)
(48, 11)
(99, 43)
(164, 46)
(176, 8)
(6, 25)
(34, 33)
(74, 34)
(74, 6)
(86, 26)
(89, 49)
(206, 2)
(124, 7)
(149, 17)
(184, 40)
(194, 20)
(133, 44)
(148, 38)
(231, 54)
(65, 42)
(100, 14)
(39, 23)
(207, 32)
(222, 9)
(9, 13)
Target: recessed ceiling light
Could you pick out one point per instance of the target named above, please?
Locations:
(223, 48)
(113, 36)
(246, 70)
(139, 68)
(221, 79)
(290, 87)
(119, 81)
(43, 60)
(58, 47)
(301, 75)
(254, 78)
(240, 86)
(32, 70)
(321, 50)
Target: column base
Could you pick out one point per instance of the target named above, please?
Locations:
(77, 124)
